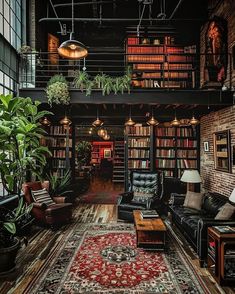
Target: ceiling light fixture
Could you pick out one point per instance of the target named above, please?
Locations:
(45, 121)
(65, 121)
(175, 122)
(129, 122)
(97, 122)
(72, 49)
(106, 137)
(102, 132)
(193, 121)
(152, 121)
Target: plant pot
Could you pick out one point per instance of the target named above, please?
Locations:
(8, 256)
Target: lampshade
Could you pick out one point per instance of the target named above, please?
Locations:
(175, 122)
(102, 132)
(152, 122)
(232, 197)
(193, 121)
(45, 121)
(129, 122)
(191, 176)
(72, 49)
(97, 122)
(65, 121)
(106, 137)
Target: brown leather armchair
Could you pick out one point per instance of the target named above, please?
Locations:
(53, 215)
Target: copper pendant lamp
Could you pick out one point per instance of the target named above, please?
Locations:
(152, 121)
(106, 137)
(72, 49)
(193, 121)
(175, 122)
(45, 121)
(102, 132)
(65, 121)
(129, 122)
(97, 122)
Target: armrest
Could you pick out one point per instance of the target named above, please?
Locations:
(38, 205)
(59, 199)
(125, 197)
(177, 199)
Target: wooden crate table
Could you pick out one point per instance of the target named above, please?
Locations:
(150, 232)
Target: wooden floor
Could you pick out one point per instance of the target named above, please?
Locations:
(32, 259)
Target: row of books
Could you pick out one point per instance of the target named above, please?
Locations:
(192, 163)
(58, 142)
(135, 153)
(165, 163)
(165, 142)
(143, 50)
(166, 75)
(59, 173)
(187, 153)
(165, 66)
(58, 163)
(147, 66)
(176, 84)
(140, 142)
(138, 164)
(184, 132)
(58, 130)
(168, 173)
(138, 130)
(186, 143)
(165, 153)
(167, 40)
(165, 132)
(61, 153)
(146, 58)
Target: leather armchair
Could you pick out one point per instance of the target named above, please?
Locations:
(53, 215)
(145, 192)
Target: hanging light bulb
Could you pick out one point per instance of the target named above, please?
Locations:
(102, 132)
(106, 137)
(65, 121)
(129, 122)
(97, 122)
(45, 121)
(193, 121)
(152, 121)
(72, 49)
(175, 122)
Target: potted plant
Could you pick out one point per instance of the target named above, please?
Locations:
(83, 154)
(57, 90)
(9, 244)
(20, 153)
(81, 79)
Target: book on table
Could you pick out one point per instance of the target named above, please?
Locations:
(225, 229)
(149, 214)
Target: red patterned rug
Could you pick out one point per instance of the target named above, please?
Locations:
(99, 198)
(104, 259)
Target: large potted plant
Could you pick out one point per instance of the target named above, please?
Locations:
(83, 154)
(20, 152)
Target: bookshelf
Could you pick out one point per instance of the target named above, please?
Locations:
(174, 146)
(222, 151)
(59, 140)
(159, 63)
(221, 255)
(98, 150)
(118, 162)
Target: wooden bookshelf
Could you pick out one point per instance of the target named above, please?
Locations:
(222, 151)
(161, 64)
(118, 162)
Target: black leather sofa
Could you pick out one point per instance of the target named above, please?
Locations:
(141, 182)
(193, 223)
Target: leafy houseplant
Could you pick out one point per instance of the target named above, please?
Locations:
(57, 90)
(20, 153)
(59, 185)
(83, 153)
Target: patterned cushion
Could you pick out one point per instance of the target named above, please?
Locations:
(225, 212)
(141, 196)
(42, 196)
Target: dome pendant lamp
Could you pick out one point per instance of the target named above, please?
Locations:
(72, 49)
(175, 122)
(193, 121)
(129, 122)
(152, 121)
(65, 121)
(97, 122)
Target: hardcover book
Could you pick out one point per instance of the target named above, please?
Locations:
(225, 229)
(149, 214)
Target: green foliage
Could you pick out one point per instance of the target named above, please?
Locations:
(9, 220)
(57, 90)
(83, 153)
(102, 81)
(20, 133)
(59, 185)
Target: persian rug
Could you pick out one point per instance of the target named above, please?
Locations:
(103, 258)
(99, 198)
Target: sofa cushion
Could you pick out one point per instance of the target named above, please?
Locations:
(42, 196)
(212, 203)
(225, 212)
(193, 200)
(190, 225)
(180, 212)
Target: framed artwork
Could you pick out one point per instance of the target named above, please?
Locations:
(206, 146)
(107, 153)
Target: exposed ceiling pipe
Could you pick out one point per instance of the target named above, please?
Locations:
(53, 7)
(176, 8)
(115, 19)
(82, 3)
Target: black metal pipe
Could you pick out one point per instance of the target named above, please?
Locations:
(82, 3)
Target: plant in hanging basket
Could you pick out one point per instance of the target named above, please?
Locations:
(57, 90)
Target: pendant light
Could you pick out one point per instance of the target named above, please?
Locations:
(152, 121)
(129, 122)
(175, 122)
(97, 122)
(106, 137)
(45, 121)
(193, 121)
(65, 121)
(72, 49)
(102, 132)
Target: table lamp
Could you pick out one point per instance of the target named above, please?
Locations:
(191, 176)
(232, 197)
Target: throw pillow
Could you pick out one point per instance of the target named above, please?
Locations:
(193, 200)
(141, 195)
(42, 196)
(225, 212)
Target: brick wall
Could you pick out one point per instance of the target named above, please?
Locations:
(226, 10)
(214, 180)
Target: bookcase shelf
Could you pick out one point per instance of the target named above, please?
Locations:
(162, 65)
(222, 151)
(118, 162)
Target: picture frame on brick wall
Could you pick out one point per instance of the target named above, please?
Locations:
(206, 146)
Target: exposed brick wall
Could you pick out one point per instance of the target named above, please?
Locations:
(214, 180)
(226, 10)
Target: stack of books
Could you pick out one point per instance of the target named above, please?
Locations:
(225, 229)
(149, 214)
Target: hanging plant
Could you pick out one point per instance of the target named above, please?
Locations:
(57, 90)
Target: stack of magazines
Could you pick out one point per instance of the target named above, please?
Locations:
(225, 229)
(149, 214)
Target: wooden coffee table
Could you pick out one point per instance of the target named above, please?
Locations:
(150, 232)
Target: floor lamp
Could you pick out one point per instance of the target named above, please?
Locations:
(191, 177)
